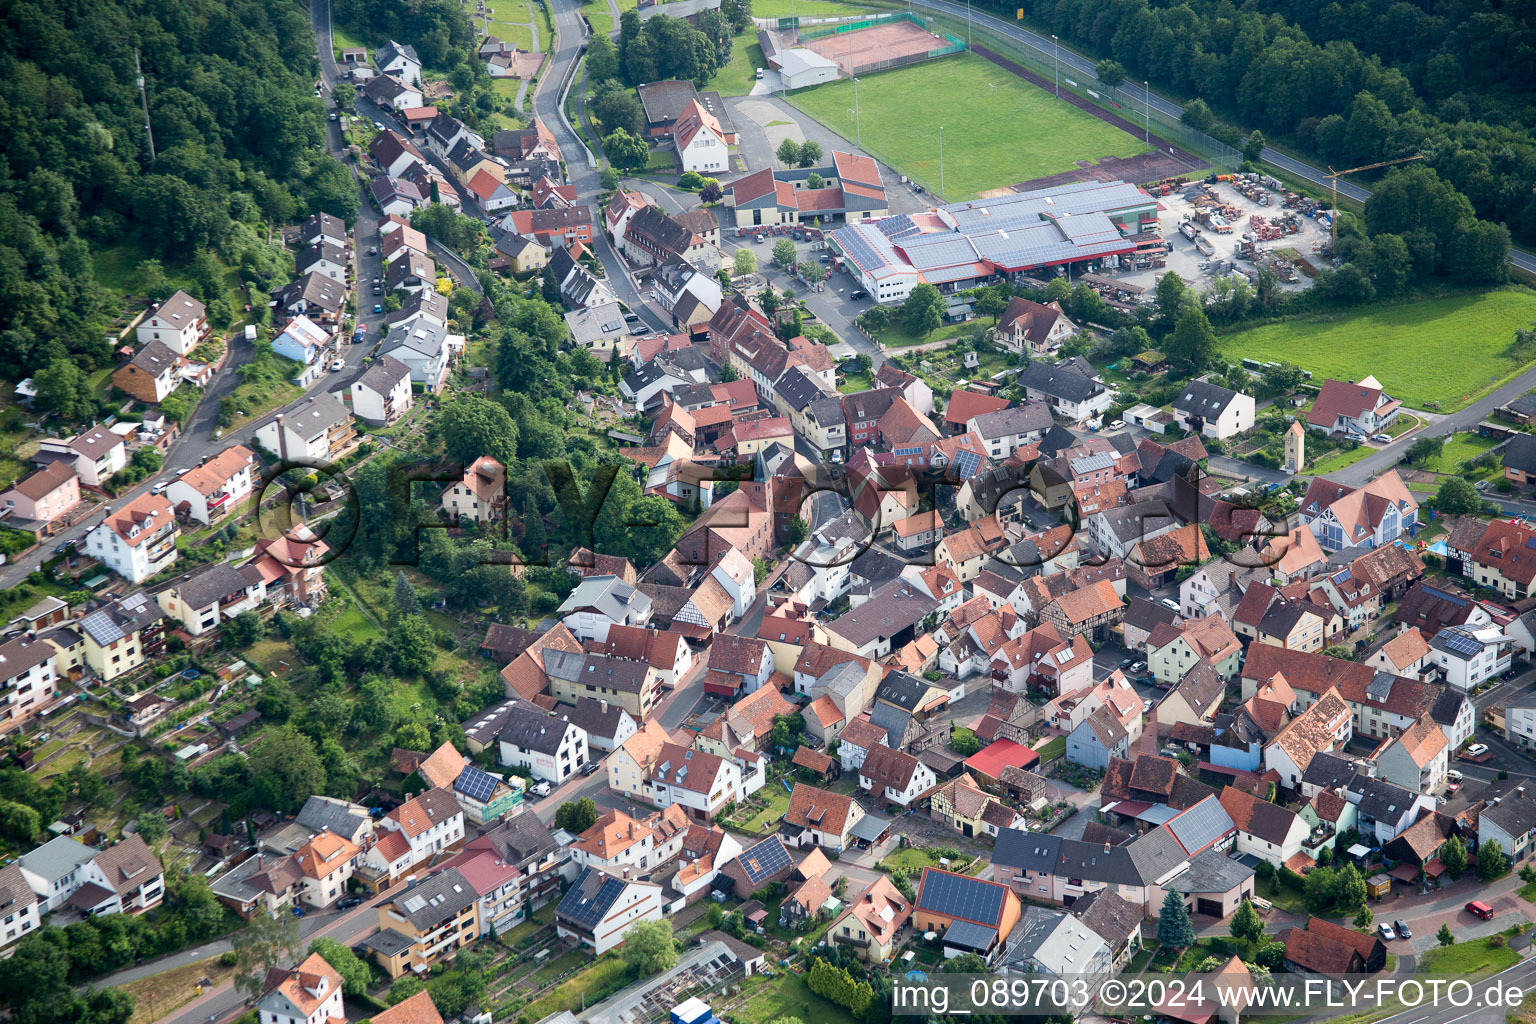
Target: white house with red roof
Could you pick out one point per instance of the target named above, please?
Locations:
(138, 540)
(412, 834)
(700, 141)
(1361, 407)
(210, 490)
(493, 195)
(1341, 516)
(308, 994)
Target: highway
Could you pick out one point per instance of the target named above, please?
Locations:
(1080, 67)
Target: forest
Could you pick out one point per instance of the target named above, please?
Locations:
(1348, 84)
(238, 139)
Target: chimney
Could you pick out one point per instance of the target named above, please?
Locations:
(410, 882)
(1106, 846)
(604, 705)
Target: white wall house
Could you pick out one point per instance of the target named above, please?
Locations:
(1212, 410)
(180, 323)
(383, 393)
(550, 748)
(137, 541)
(216, 487)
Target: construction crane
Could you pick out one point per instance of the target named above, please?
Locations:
(1334, 175)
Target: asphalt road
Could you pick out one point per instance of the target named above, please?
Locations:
(1082, 68)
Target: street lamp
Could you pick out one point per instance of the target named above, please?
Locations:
(967, 23)
(941, 161)
(1057, 42)
(1146, 102)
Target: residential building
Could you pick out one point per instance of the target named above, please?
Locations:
(821, 818)
(1265, 830)
(699, 781)
(599, 909)
(28, 679)
(54, 870)
(303, 341)
(480, 496)
(1347, 407)
(317, 429)
(180, 323)
(427, 348)
(1212, 410)
(1038, 328)
(137, 540)
(381, 392)
(1510, 822)
(308, 994)
(125, 878)
(117, 637)
(1173, 650)
(206, 598)
(551, 748)
(1340, 516)
(872, 920)
(96, 454)
(211, 490)
(1469, 657)
(599, 602)
(1416, 758)
(39, 502)
(152, 374)
(410, 835)
(971, 915)
(515, 868)
(427, 922)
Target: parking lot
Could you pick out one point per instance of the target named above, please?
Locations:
(1198, 269)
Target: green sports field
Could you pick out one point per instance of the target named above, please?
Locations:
(1447, 350)
(998, 129)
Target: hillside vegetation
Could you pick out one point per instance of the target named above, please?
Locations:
(237, 139)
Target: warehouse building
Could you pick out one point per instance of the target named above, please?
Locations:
(965, 244)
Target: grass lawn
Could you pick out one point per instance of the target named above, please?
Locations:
(1335, 461)
(1055, 747)
(160, 994)
(1467, 958)
(1002, 130)
(896, 336)
(1286, 899)
(738, 77)
(778, 804)
(560, 965)
(596, 983)
(1448, 349)
(1528, 892)
(786, 996)
(853, 383)
(1458, 449)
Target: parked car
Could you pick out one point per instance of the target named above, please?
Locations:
(1116, 424)
(642, 329)
(759, 74)
(373, 250)
(1477, 750)
(590, 767)
(1402, 930)
(1382, 438)
(378, 126)
(1170, 604)
(1385, 929)
(1138, 667)
(858, 293)
(348, 902)
(159, 488)
(1454, 775)
(1127, 662)
(378, 308)
(1146, 706)
(338, 364)
(1477, 908)
(631, 318)
(540, 788)
(1481, 485)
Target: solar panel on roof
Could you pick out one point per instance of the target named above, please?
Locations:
(909, 450)
(1201, 825)
(764, 859)
(1461, 643)
(967, 463)
(1340, 576)
(962, 897)
(475, 784)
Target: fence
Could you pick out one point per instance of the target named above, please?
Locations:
(832, 28)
